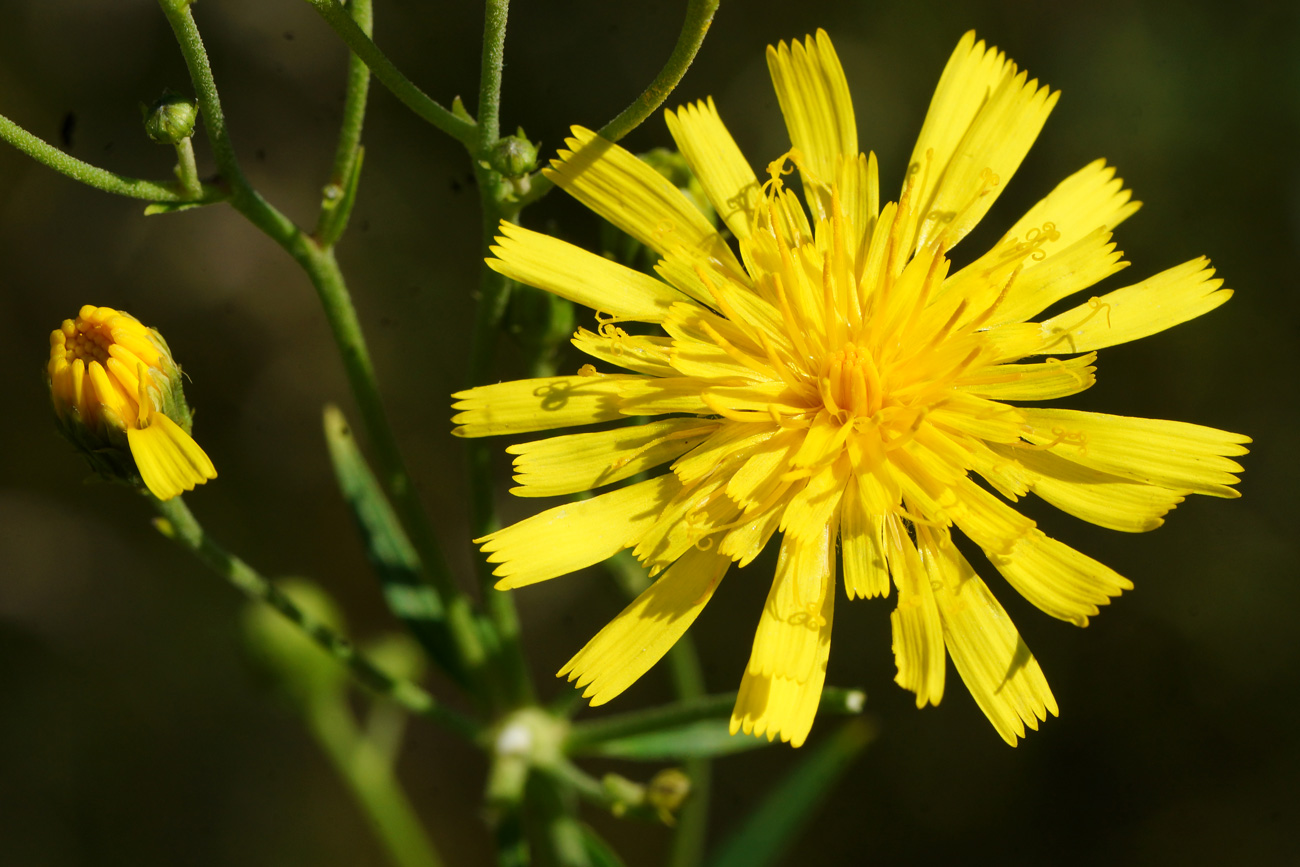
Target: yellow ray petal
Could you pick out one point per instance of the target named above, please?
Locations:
(539, 404)
(745, 542)
(109, 395)
(691, 520)
(1099, 498)
(982, 120)
(985, 519)
(582, 277)
(169, 459)
(664, 395)
(1087, 200)
(576, 535)
(787, 668)
(858, 184)
(1169, 298)
(1176, 455)
(717, 162)
(818, 110)
(771, 705)
(636, 198)
(1058, 579)
(989, 654)
(792, 626)
(862, 543)
(636, 352)
(1043, 381)
(733, 441)
(638, 637)
(813, 507)
(917, 629)
(1067, 270)
(580, 462)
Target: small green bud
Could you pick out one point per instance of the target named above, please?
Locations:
(514, 155)
(170, 120)
(667, 792)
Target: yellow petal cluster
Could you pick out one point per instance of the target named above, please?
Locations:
(834, 379)
(112, 379)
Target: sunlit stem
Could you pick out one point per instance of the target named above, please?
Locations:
(337, 17)
(100, 179)
(699, 16)
(326, 277)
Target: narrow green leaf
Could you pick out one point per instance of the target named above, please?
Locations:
(782, 816)
(598, 851)
(388, 549)
(701, 739)
(171, 207)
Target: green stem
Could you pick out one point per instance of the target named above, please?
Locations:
(489, 88)
(369, 775)
(340, 191)
(323, 271)
(187, 169)
(411, 96)
(494, 294)
(180, 525)
(101, 179)
(358, 90)
(834, 700)
(699, 15)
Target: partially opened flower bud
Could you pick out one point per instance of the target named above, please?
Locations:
(117, 394)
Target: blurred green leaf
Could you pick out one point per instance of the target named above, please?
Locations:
(706, 738)
(388, 549)
(782, 816)
(305, 672)
(598, 851)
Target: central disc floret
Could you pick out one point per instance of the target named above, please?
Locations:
(850, 383)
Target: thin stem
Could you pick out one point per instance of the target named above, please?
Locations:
(411, 96)
(489, 88)
(368, 773)
(101, 179)
(834, 700)
(340, 192)
(180, 525)
(186, 168)
(323, 271)
(494, 294)
(354, 102)
(699, 16)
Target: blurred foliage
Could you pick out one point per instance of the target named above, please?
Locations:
(134, 731)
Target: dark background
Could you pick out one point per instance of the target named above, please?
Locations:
(133, 730)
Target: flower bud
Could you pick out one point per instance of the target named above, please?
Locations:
(117, 395)
(513, 155)
(666, 793)
(170, 120)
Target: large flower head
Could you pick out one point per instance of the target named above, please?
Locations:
(117, 394)
(835, 380)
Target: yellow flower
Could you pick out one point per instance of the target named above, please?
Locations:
(117, 394)
(839, 381)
